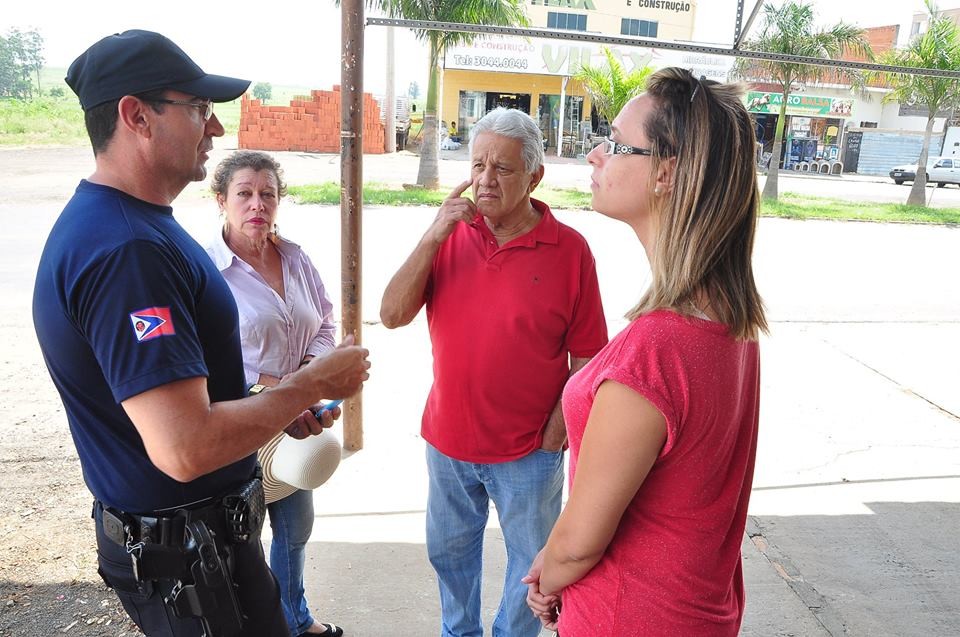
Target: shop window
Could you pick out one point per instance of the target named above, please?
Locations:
(643, 28)
(548, 116)
(472, 108)
(568, 21)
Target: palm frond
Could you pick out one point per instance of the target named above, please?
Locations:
(936, 48)
(789, 28)
(610, 86)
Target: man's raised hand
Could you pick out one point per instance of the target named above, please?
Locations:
(454, 208)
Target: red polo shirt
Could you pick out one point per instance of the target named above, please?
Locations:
(502, 321)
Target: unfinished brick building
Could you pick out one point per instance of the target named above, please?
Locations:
(309, 124)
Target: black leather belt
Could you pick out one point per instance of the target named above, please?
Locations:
(163, 528)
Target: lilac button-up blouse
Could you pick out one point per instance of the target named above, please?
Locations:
(277, 333)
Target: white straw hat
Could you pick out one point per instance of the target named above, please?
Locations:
(290, 464)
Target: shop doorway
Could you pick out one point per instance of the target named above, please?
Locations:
(765, 129)
(548, 116)
(476, 104)
(519, 101)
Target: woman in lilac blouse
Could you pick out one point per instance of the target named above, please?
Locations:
(285, 320)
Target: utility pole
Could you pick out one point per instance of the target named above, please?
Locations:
(351, 196)
(390, 101)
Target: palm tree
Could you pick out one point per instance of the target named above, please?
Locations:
(486, 12)
(609, 86)
(789, 29)
(936, 48)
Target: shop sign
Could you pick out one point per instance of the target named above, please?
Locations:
(590, 5)
(554, 57)
(662, 5)
(799, 104)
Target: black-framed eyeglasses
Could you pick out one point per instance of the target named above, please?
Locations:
(611, 147)
(205, 108)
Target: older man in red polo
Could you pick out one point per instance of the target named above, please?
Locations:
(513, 308)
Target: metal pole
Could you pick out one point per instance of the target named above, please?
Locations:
(351, 195)
(739, 23)
(741, 34)
(390, 101)
(563, 102)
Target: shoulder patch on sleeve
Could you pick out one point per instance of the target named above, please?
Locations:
(152, 322)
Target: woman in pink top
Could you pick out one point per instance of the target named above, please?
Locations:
(662, 422)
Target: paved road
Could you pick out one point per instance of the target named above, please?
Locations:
(51, 173)
(856, 503)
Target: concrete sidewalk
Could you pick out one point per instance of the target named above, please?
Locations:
(856, 503)
(853, 521)
(855, 511)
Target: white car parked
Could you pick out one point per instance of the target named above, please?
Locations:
(945, 170)
(940, 171)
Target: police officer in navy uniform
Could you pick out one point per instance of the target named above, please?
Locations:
(140, 335)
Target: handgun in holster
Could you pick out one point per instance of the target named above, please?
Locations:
(210, 596)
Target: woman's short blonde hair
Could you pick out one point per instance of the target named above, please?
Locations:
(705, 223)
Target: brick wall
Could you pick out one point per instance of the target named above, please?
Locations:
(309, 124)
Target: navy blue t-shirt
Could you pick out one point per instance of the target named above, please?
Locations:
(125, 301)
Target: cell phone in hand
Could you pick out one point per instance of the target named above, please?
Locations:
(327, 407)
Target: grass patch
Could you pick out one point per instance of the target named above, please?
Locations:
(790, 205)
(384, 195)
(50, 120)
(328, 193)
(229, 115)
(53, 77)
(43, 120)
(794, 206)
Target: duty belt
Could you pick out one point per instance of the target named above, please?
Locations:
(192, 547)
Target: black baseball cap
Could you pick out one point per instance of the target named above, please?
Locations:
(137, 61)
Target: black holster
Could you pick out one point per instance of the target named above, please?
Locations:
(193, 549)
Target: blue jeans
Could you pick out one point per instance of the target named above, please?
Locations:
(291, 519)
(526, 493)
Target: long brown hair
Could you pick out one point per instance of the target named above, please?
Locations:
(705, 224)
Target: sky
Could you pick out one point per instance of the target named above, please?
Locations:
(284, 42)
(297, 42)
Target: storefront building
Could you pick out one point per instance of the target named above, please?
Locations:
(534, 75)
(830, 121)
(814, 127)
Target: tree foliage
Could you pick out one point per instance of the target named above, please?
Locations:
(486, 12)
(609, 86)
(262, 91)
(21, 56)
(789, 28)
(936, 48)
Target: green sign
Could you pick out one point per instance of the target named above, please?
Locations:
(799, 104)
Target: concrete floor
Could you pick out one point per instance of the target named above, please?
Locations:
(856, 502)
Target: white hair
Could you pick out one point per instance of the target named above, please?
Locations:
(515, 124)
